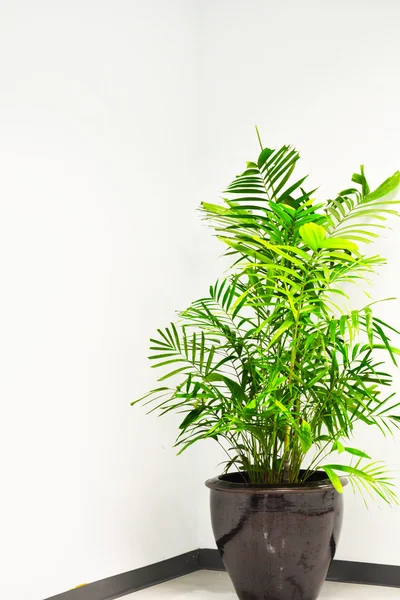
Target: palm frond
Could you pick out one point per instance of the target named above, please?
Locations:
(273, 363)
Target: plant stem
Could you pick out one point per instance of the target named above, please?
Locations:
(259, 138)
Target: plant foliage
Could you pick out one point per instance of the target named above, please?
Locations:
(272, 363)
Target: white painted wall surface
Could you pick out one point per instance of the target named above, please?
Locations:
(321, 76)
(100, 243)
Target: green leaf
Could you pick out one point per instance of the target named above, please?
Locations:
(305, 436)
(151, 393)
(313, 235)
(351, 471)
(361, 180)
(286, 177)
(250, 406)
(286, 194)
(209, 360)
(214, 208)
(280, 331)
(176, 336)
(337, 446)
(264, 156)
(234, 388)
(174, 373)
(356, 452)
(342, 243)
(385, 340)
(355, 319)
(194, 348)
(202, 348)
(369, 325)
(389, 185)
(191, 417)
(335, 479)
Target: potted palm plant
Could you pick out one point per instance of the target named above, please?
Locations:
(274, 366)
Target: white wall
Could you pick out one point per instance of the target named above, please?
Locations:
(100, 243)
(321, 76)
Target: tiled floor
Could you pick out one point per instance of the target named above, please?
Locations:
(205, 585)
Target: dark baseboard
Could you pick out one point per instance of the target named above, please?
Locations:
(209, 559)
(364, 573)
(340, 570)
(132, 581)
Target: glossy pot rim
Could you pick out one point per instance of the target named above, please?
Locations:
(217, 483)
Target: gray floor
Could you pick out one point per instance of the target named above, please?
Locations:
(209, 584)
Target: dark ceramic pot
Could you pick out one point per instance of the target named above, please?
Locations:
(276, 542)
